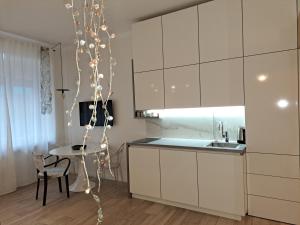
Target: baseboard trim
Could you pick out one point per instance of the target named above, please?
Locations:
(192, 208)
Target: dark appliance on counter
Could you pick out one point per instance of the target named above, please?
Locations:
(241, 139)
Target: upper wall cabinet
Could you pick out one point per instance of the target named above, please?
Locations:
(269, 25)
(180, 38)
(182, 88)
(147, 45)
(271, 91)
(149, 90)
(220, 30)
(222, 83)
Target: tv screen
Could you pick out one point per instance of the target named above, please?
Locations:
(85, 113)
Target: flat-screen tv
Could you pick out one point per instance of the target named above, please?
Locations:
(85, 113)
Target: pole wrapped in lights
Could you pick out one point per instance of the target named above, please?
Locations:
(93, 38)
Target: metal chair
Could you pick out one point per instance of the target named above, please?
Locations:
(54, 169)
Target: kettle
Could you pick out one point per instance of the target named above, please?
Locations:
(241, 138)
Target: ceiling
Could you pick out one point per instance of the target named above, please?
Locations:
(49, 21)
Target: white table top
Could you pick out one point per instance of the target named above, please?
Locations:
(68, 151)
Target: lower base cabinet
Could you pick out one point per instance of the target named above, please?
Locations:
(221, 180)
(179, 177)
(210, 182)
(144, 171)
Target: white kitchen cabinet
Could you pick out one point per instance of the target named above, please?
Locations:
(180, 38)
(221, 182)
(223, 39)
(271, 93)
(149, 90)
(144, 171)
(269, 25)
(182, 88)
(147, 45)
(222, 83)
(273, 165)
(179, 176)
(274, 187)
(274, 209)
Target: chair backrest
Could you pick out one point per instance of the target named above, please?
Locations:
(39, 161)
(118, 153)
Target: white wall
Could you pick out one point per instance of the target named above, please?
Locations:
(125, 128)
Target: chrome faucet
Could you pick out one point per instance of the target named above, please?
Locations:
(221, 129)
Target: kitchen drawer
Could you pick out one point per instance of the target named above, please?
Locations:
(274, 165)
(274, 187)
(274, 209)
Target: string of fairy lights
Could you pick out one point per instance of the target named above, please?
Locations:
(93, 38)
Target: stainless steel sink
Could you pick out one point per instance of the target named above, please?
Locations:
(223, 145)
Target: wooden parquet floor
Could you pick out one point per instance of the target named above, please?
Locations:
(21, 208)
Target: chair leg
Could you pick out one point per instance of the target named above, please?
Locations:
(116, 174)
(37, 189)
(67, 185)
(59, 184)
(121, 173)
(45, 188)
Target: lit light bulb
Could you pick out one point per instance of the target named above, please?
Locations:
(68, 5)
(93, 85)
(112, 36)
(92, 64)
(110, 118)
(91, 107)
(99, 88)
(88, 190)
(100, 76)
(104, 27)
(67, 112)
(91, 45)
(69, 124)
(109, 127)
(103, 146)
(103, 45)
(82, 42)
(89, 127)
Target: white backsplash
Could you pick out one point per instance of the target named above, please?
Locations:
(199, 124)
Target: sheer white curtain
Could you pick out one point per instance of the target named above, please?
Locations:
(23, 128)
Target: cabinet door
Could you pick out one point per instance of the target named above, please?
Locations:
(221, 182)
(223, 40)
(269, 25)
(180, 38)
(182, 88)
(144, 171)
(179, 176)
(149, 90)
(271, 94)
(147, 45)
(222, 83)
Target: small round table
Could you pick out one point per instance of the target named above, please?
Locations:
(80, 183)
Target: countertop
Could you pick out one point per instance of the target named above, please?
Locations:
(195, 144)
